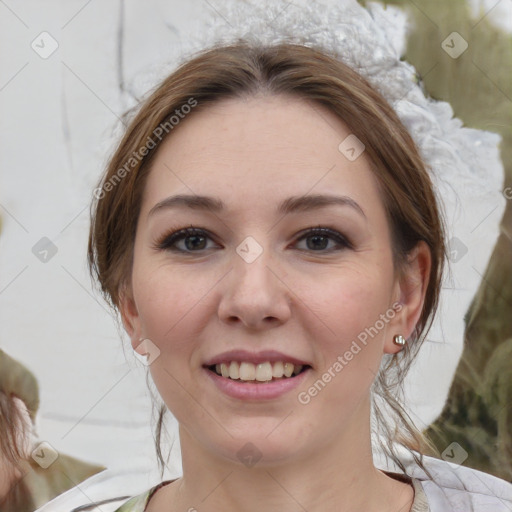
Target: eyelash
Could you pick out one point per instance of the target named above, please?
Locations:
(167, 241)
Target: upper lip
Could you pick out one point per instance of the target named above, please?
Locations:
(263, 356)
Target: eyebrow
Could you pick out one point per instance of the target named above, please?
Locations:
(290, 205)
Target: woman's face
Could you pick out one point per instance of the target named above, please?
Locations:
(253, 280)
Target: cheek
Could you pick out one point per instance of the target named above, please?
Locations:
(173, 308)
(349, 300)
(166, 300)
(171, 314)
(348, 309)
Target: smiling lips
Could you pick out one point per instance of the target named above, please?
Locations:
(257, 390)
(257, 372)
(263, 366)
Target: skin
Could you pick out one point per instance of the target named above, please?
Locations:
(302, 300)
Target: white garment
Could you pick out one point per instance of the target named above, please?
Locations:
(461, 489)
(454, 489)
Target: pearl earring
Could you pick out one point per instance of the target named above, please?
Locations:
(398, 339)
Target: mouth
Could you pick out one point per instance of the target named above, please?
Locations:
(260, 373)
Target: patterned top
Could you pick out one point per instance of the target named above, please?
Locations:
(420, 504)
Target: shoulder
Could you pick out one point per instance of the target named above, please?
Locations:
(108, 491)
(459, 488)
(138, 503)
(135, 504)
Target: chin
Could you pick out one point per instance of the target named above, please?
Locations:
(257, 447)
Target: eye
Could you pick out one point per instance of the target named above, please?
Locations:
(320, 238)
(195, 240)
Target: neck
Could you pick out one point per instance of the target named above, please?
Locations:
(337, 474)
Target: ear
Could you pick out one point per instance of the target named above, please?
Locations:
(410, 292)
(130, 315)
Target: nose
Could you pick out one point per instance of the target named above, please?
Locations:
(255, 293)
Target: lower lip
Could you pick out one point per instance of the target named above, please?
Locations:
(256, 391)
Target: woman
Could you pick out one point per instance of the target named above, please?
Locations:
(271, 238)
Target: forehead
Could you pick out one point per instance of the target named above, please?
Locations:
(257, 151)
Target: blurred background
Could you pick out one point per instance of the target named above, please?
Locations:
(478, 410)
(69, 70)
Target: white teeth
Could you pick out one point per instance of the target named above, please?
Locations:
(261, 372)
(247, 371)
(288, 369)
(264, 372)
(234, 370)
(224, 370)
(277, 370)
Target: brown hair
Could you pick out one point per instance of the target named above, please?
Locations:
(16, 382)
(13, 430)
(241, 70)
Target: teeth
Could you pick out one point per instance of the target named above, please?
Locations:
(277, 370)
(247, 371)
(224, 370)
(261, 372)
(234, 370)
